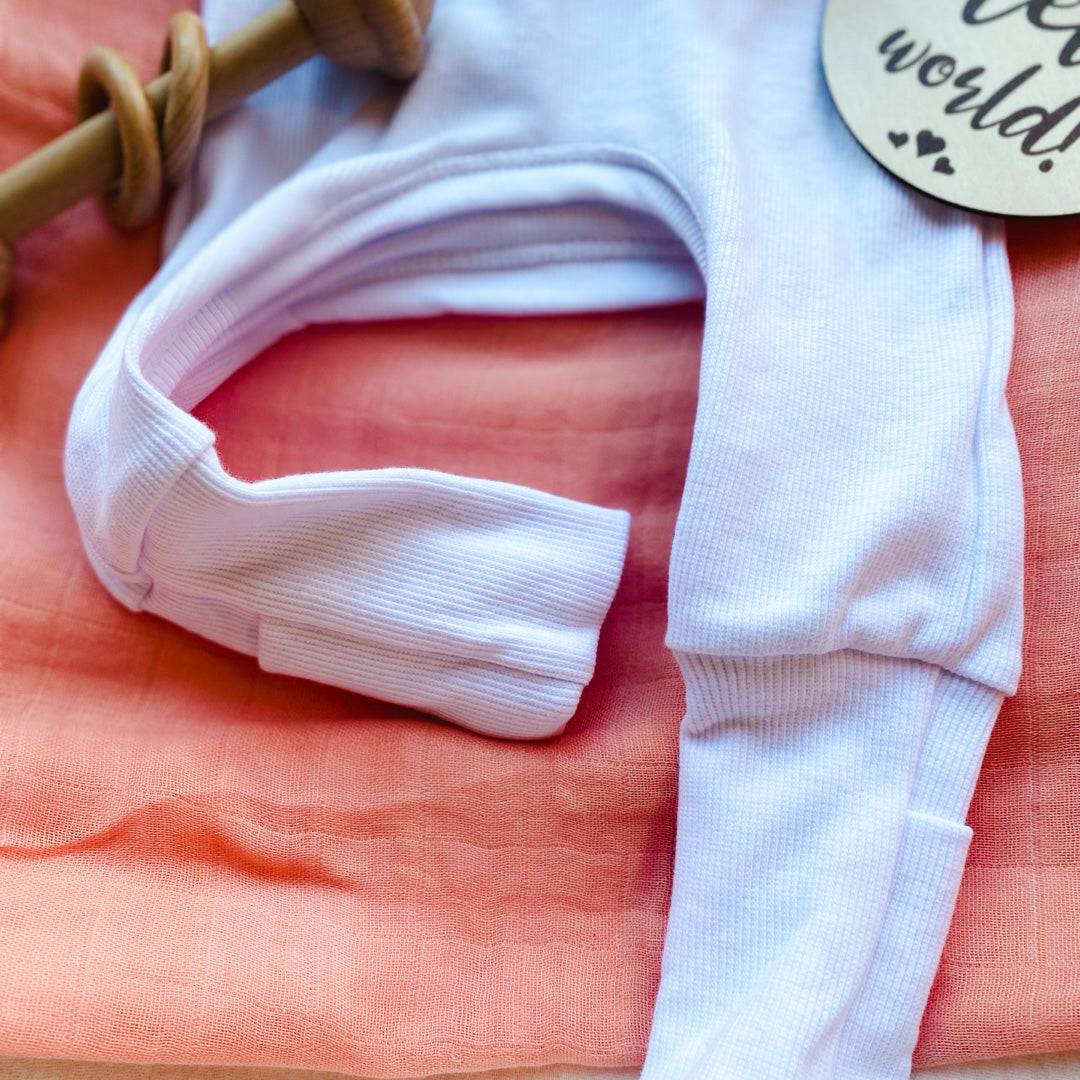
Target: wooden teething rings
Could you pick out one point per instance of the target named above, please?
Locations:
(149, 157)
(132, 139)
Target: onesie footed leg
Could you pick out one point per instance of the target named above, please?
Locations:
(820, 845)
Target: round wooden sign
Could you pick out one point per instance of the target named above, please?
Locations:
(976, 102)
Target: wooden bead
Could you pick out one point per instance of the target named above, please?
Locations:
(108, 79)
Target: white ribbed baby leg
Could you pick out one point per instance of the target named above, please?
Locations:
(796, 779)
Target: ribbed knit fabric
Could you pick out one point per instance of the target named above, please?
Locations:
(1007, 983)
(477, 601)
(833, 872)
(845, 593)
(845, 584)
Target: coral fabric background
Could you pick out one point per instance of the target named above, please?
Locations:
(202, 862)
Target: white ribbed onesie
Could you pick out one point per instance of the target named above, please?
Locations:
(845, 581)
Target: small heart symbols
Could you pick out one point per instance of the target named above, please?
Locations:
(944, 165)
(926, 142)
(898, 138)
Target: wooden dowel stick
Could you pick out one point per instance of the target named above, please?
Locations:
(86, 160)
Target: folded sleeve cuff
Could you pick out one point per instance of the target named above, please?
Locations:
(478, 601)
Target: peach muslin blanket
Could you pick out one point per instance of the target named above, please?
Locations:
(201, 862)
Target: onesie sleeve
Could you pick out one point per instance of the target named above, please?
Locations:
(478, 601)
